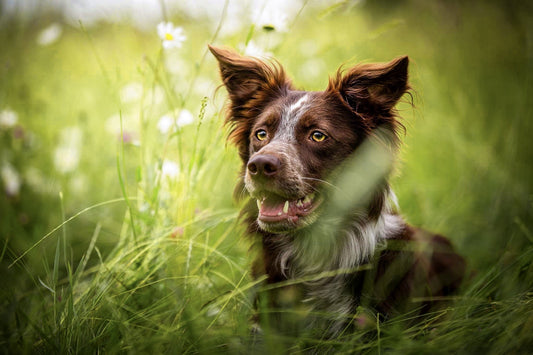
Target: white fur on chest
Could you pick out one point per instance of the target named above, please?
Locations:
(353, 247)
(348, 250)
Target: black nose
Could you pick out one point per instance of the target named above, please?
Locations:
(263, 164)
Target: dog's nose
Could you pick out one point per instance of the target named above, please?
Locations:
(263, 164)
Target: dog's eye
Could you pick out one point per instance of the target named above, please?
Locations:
(261, 134)
(318, 136)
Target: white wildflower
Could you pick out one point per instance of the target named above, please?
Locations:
(131, 92)
(170, 169)
(165, 124)
(171, 36)
(67, 154)
(49, 35)
(168, 122)
(185, 118)
(8, 118)
(66, 159)
(11, 179)
(272, 19)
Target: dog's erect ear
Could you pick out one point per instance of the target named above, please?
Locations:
(251, 84)
(246, 77)
(372, 90)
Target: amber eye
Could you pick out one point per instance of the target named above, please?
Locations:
(318, 136)
(261, 134)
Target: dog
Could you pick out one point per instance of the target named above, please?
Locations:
(323, 247)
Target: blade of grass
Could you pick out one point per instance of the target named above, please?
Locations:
(85, 210)
(55, 275)
(120, 168)
(87, 255)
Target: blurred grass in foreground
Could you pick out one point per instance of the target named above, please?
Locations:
(151, 259)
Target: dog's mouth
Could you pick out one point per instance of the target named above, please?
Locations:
(277, 213)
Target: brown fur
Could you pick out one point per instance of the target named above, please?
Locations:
(417, 270)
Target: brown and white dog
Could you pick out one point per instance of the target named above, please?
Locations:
(295, 146)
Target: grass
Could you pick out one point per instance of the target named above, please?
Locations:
(119, 255)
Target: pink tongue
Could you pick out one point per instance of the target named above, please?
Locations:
(272, 208)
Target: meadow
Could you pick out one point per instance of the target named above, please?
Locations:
(119, 232)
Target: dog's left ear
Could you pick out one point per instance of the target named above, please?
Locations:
(372, 90)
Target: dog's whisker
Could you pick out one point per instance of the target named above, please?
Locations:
(325, 182)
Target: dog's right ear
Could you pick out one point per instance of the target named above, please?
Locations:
(251, 84)
(246, 77)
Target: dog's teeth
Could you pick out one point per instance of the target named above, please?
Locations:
(286, 207)
(279, 213)
(299, 203)
(258, 204)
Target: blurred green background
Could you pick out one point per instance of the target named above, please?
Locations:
(152, 240)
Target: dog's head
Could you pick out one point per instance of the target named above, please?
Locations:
(290, 140)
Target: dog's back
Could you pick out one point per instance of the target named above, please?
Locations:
(416, 271)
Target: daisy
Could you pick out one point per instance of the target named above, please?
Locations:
(66, 159)
(168, 123)
(8, 118)
(171, 36)
(185, 118)
(272, 19)
(165, 124)
(49, 35)
(131, 92)
(67, 153)
(11, 179)
(170, 169)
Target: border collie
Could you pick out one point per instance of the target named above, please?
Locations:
(315, 168)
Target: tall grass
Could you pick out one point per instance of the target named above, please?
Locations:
(123, 255)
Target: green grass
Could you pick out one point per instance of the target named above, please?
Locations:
(115, 257)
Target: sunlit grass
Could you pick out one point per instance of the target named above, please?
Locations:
(137, 247)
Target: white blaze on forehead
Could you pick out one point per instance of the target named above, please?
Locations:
(301, 101)
(289, 118)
